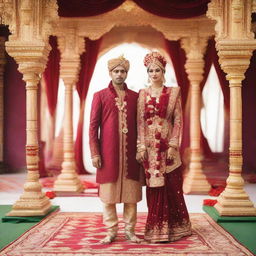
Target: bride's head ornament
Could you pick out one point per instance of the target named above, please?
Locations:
(155, 58)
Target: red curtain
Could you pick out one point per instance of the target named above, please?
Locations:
(176, 9)
(51, 83)
(249, 120)
(85, 8)
(88, 62)
(52, 75)
(4, 31)
(179, 9)
(178, 57)
(211, 58)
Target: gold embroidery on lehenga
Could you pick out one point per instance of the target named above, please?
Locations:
(167, 233)
(157, 131)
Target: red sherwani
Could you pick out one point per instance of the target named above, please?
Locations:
(105, 118)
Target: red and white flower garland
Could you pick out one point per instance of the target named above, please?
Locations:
(155, 111)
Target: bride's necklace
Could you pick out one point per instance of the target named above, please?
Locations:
(156, 91)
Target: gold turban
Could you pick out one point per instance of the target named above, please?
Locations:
(120, 61)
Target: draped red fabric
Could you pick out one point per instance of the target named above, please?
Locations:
(52, 74)
(88, 62)
(211, 58)
(85, 8)
(179, 9)
(4, 31)
(176, 9)
(51, 82)
(249, 120)
(178, 57)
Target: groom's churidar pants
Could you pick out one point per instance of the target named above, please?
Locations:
(124, 191)
(110, 218)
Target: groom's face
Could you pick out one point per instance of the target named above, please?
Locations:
(118, 75)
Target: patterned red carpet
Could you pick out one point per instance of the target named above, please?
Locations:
(79, 234)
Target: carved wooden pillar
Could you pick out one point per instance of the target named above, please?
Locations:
(2, 64)
(31, 61)
(195, 181)
(30, 23)
(235, 43)
(68, 180)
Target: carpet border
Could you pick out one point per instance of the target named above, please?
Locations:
(5, 247)
(223, 229)
(214, 224)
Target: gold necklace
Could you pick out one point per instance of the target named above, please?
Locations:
(155, 92)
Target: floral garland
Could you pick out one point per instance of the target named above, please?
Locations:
(121, 106)
(157, 108)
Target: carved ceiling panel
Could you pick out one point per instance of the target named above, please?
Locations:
(129, 14)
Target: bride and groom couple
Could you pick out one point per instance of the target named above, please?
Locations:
(135, 138)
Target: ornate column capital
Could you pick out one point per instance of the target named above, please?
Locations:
(31, 23)
(253, 5)
(31, 59)
(233, 18)
(234, 37)
(234, 58)
(71, 46)
(194, 47)
(29, 20)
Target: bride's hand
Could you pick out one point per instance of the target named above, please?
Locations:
(171, 153)
(142, 156)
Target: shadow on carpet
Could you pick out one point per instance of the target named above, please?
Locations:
(79, 234)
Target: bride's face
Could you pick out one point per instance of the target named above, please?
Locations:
(155, 73)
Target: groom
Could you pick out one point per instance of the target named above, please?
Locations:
(113, 150)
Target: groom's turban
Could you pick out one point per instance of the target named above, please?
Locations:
(120, 61)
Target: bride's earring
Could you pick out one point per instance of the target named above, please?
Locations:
(163, 79)
(149, 80)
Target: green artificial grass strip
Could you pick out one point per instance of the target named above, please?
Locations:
(10, 231)
(215, 215)
(242, 228)
(244, 232)
(15, 219)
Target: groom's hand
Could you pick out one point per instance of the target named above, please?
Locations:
(142, 156)
(96, 162)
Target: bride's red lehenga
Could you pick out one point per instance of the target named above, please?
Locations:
(159, 127)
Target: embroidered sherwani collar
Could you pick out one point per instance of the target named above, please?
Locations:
(113, 90)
